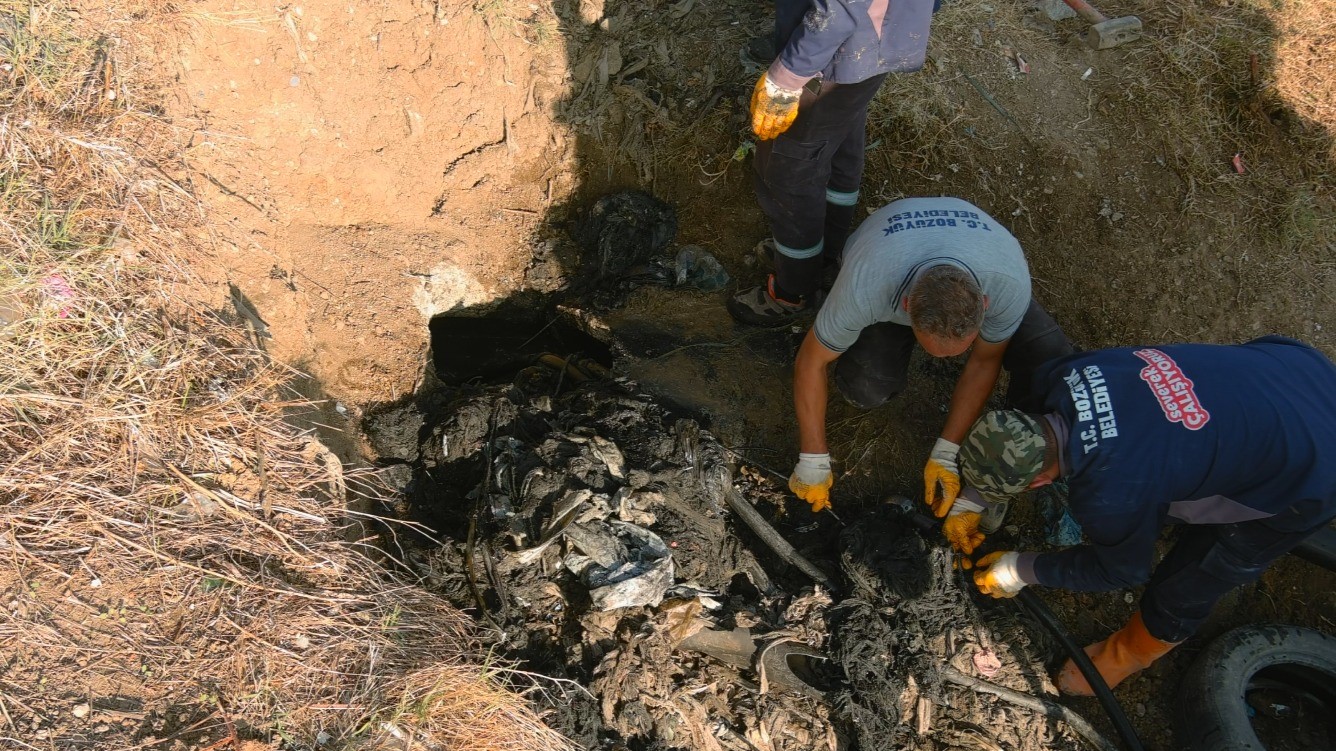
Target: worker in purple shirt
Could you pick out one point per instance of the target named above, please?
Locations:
(809, 113)
(1235, 443)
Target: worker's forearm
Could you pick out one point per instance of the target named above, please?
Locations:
(972, 390)
(809, 402)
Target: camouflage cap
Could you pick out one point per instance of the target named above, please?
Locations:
(1002, 453)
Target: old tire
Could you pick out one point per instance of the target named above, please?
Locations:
(1213, 710)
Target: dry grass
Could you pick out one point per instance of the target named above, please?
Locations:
(176, 571)
(1304, 71)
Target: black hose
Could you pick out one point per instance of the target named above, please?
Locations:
(1319, 549)
(1036, 607)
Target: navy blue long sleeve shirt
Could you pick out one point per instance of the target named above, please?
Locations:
(1188, 433)
(848, 41)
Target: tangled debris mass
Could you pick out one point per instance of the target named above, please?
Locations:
(589, 526)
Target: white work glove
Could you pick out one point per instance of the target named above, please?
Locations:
(997, 575)
(811, 480)
(942, 471)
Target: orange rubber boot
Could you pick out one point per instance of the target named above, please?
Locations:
(1126, 652)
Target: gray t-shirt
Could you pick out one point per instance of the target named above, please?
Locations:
(888, 250)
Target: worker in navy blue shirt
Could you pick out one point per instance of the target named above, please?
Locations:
(809, 113)
(1237, 442)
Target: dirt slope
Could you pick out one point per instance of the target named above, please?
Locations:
(376, 164)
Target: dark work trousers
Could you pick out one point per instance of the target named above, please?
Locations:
(822, 151)
(876, 368)
(788, 17)
(1209, 560)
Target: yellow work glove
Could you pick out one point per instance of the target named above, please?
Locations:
(941, 473)
(773, 108)
(811, 480)
(997, 575)
(962, 529)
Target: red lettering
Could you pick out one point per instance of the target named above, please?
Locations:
(1172, 389)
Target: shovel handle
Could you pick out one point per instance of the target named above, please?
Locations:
(1086, 11)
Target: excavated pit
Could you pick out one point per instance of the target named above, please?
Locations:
(587, 525)
(501, 342)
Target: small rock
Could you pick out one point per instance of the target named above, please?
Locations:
(397, 476)
(1128, 598)
(1056, 10)
(1141, 709)
(81, 710)
(1039, 21)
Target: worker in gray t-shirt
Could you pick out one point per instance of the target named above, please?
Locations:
(940, 272)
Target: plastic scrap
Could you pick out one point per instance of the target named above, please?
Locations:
(697, 268)
(59, 289)
(1063, 530)
(987, 662)
(624, 565)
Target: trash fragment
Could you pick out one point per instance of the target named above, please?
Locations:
(976, 36)
(634, 507)
(1063, 530)
(642, 575)
(622, 230)
(986, 662)
(1238, 163)
(1087, 73)
(611, 456)
(60, 290)
(1018, 63)
(698, 269)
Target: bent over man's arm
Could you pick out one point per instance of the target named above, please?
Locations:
(941, 475)
(810, 393)
(973, 388)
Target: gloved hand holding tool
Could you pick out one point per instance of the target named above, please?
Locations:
(773, 108)
(997, 575)
(962, 529)
(811, 480)
(941, 471)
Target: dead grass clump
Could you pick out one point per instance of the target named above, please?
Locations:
(1304, 71)
(176, 572)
